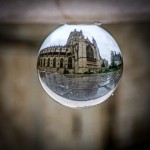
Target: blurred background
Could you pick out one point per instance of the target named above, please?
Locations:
(30, 119)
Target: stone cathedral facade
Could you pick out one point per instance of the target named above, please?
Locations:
(78, 55)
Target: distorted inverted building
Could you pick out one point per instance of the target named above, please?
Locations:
(79, 55)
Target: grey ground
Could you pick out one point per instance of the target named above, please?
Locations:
(81, 87)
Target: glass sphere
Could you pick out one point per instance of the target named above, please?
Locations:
(79, 65)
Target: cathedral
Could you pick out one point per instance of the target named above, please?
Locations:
(78, 55)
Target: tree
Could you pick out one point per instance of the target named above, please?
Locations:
(112, 59)
(103, 64)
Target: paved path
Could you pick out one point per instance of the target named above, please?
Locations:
(81, 88)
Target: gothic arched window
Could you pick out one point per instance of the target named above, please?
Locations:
(54, 62)
(44, 62)
(41, 62)
(48, 64)
(61, 63)
(89, 52)
(69, 63)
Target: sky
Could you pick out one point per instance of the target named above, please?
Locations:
(104, 40)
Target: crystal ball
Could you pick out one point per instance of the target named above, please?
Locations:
(79, 65)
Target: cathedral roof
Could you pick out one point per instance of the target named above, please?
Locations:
(88, 41)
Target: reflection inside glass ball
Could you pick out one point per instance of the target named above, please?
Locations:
(79, 65)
